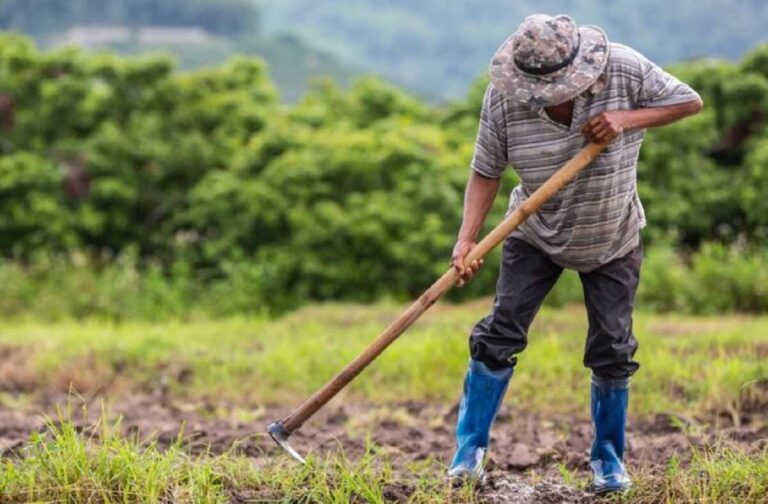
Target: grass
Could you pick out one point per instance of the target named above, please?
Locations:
(690, 365)
(716, 475)
(64, 465)
(98, 465)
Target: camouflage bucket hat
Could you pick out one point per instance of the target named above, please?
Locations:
(549, 60)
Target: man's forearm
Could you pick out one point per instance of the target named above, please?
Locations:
(660, 116)
(478, 200)
(607, 125)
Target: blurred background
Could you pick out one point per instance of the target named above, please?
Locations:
(164, 158)
(208, 207)
(432, 48)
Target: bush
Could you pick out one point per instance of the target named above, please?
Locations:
(716, 279)
(56, 287)
(348, 195)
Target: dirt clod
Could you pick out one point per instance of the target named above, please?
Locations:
(504, 489)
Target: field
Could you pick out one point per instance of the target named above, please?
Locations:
(184, 258)
(97, 411)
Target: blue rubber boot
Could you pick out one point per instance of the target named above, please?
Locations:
(609, 417)
(483, 392)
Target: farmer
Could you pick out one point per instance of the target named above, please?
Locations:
(554, 86)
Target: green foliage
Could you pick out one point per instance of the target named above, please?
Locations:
(756, 186)
(699, 178)
(114, 288)
(351, 195)
(717, 279)
(143, 136)
(31, 214)
(52, 287)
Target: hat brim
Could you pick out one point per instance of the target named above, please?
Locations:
(552, 89)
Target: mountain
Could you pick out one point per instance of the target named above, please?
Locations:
(434, 48)
(199, 33)
(438, 47)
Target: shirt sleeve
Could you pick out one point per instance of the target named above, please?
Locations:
(658, 88)
(490, 157)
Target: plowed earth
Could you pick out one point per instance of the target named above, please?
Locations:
(523, 444)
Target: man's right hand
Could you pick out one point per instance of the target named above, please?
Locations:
(460, 251)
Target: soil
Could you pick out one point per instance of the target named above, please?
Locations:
(523, 443)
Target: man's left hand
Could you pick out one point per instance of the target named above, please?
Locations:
(605, 126)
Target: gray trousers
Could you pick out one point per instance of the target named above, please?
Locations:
(526, 277)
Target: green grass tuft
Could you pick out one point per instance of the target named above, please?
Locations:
(715, 474)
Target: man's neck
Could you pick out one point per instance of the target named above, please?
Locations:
(562, 113)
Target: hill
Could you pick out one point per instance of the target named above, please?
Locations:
(200, 33)
(437, 48)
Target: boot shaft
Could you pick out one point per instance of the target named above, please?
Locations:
(484, 391)
(609, 401)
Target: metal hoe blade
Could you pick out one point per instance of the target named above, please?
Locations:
(280, 436)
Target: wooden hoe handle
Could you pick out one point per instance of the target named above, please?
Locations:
(440, 287)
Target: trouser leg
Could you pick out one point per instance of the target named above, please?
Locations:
(525, 278)
(609, 293)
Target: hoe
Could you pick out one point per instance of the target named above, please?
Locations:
(282, 429)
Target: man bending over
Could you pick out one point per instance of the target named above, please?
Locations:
(555, 86)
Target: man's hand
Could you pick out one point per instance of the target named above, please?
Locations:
(605, 126)
(460, 251)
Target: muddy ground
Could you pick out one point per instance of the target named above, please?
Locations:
(523, 443)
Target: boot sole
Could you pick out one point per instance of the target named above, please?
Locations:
(459, 480)
(611, 490)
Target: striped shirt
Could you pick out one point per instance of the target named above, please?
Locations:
(597, 217)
